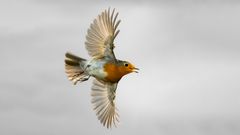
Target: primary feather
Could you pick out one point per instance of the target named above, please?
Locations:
(103, 100)
(101, 34)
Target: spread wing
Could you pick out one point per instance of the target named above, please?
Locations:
(101, 35)
(103, 95)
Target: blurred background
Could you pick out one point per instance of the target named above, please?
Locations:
(188, 53)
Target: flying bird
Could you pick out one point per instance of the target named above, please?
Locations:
(103, 66)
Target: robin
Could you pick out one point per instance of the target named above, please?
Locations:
(104, 67)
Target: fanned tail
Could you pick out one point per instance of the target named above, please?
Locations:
(74, 67)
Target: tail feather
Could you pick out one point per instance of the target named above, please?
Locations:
(71, 62)
(74, 57)
(74, 68)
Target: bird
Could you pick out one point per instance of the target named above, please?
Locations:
(105, 69)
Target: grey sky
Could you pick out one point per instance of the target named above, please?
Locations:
(188, 53)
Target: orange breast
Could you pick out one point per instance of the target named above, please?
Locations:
(114, 72)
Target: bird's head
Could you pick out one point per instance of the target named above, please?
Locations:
(126, 67)
(117, 70)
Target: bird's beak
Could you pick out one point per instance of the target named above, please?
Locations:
(135, 70)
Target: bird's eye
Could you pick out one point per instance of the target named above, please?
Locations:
(125, 64)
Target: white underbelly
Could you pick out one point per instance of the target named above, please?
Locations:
(96, 69)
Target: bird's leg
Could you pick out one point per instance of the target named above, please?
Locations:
(85, 79)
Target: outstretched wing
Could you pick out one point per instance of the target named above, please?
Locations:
(103, 95)
(101, 35)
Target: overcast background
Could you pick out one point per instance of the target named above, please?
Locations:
(188, 52)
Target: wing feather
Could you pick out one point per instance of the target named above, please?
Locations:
(103, 97)
(101, 35)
